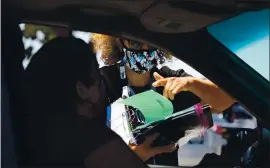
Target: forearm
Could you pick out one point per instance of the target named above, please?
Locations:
(210, 94)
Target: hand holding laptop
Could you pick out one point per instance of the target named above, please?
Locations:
(145, 151)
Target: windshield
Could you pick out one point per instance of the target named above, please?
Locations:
(247, 35)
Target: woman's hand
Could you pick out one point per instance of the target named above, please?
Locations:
(172, 85)
(145, 151)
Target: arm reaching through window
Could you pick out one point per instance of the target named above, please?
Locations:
(205, 89)
(181, 100)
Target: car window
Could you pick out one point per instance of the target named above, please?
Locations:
(247, 35)
(173, 63)
(35, 36)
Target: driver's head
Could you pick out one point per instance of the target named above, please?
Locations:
(138, 57)
(63, 77)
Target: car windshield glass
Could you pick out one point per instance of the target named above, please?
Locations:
(247, 35)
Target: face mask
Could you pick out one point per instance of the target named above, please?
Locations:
(139, 61)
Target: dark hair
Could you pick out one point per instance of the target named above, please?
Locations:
(51, 76)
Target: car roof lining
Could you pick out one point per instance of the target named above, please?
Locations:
(176, 16)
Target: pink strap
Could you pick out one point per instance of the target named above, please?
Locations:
(199, 112)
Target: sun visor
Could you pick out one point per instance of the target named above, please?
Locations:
(164, 18)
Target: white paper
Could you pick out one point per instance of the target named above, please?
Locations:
(192, 154)
(190, 134)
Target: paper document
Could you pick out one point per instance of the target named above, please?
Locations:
(153, 105)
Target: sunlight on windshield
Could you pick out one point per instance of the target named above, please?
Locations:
(247, 35)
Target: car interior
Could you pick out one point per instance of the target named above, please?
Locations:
(179, 27)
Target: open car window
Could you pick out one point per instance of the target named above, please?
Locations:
(196, 151)
(247, 36)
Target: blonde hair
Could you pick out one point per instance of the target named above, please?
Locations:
(108, 45)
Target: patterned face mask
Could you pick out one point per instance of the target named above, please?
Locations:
(140, 61)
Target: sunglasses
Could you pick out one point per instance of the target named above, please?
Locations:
(136, 46)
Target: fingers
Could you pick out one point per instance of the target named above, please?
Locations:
(160, 80)
(163, 149)
(145, 151)
(171, 89)
(177, 89)
(157, 76)
(172, 85)
(166, 90)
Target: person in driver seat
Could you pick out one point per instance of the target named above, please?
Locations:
(64, 106)
(62, 91)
